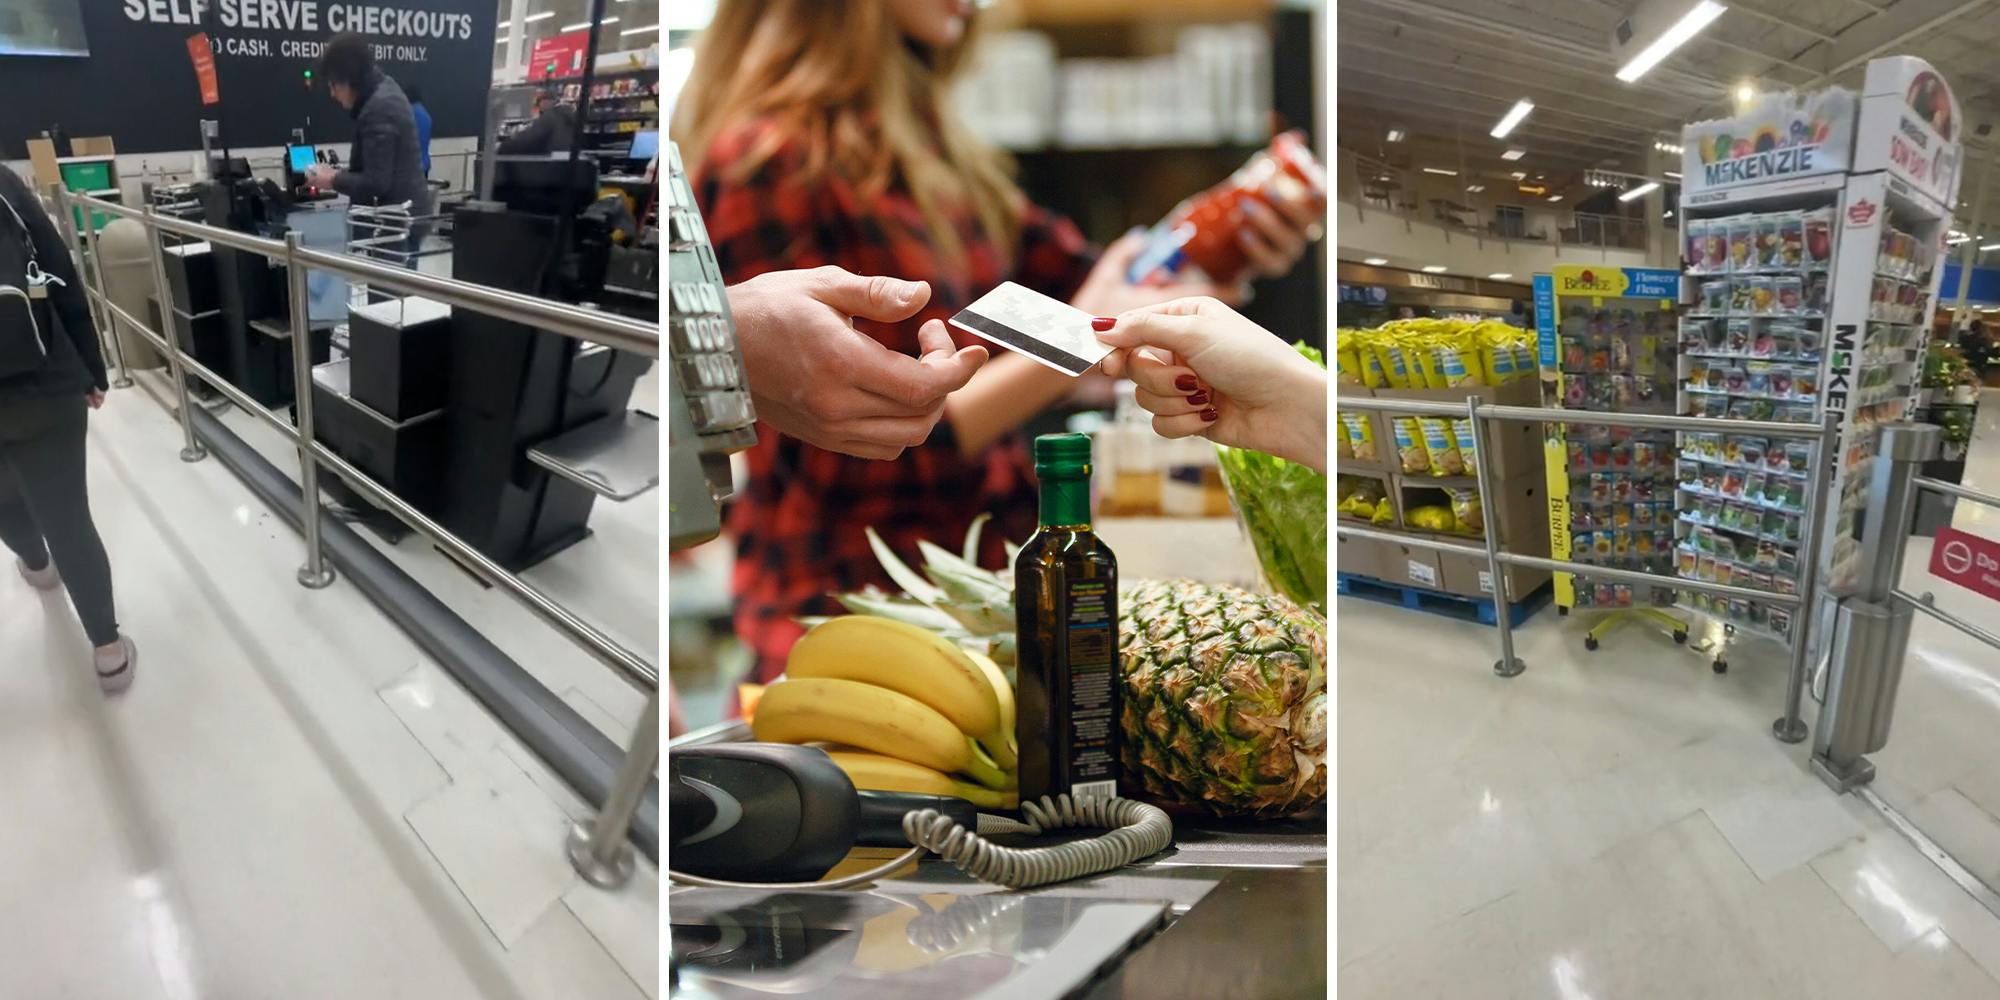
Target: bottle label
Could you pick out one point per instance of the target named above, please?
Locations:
(1092, 619)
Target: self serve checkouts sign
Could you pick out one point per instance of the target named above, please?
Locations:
(1968, 560)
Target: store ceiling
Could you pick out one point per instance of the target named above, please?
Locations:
(1445, 70)
(570, 13)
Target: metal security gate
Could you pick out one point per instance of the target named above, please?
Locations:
(1936, 791)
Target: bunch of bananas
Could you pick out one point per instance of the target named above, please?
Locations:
(899, 708)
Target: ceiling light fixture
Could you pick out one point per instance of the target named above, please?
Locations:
(1395, 135)
(1671, 174)
(1435, 269)
(1519, 175)
(1956, 240)
(640, 30)
(1502, 276)
(586, 24)
(1690, 23)
(1746, 92)
(1475, 188)
(543, 16)
(503, 24)
(1640, 191)
(1441, 171)
(1376, 261)
(1512, 118)
(1989, 246)
(1513, 154)
(1555, 197)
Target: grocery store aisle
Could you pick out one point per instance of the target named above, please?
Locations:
(1612, 824)
(291, 800)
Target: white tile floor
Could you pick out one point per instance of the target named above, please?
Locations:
(1621, 823)
(291, 800)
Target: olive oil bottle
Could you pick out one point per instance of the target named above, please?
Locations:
(1066, 621)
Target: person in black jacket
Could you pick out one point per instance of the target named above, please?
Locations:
(44, 501)
(553, 130)
(385, 165)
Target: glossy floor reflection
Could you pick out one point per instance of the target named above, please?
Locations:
(1622, 824)
(291, 800)
(1942, 765)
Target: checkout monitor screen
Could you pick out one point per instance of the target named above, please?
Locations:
(645, 145)
(300, 158)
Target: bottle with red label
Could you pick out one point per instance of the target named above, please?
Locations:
(1199, 240)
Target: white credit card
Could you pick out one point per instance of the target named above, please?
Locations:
(1054, 333)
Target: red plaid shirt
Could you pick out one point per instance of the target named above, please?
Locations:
(799, 524)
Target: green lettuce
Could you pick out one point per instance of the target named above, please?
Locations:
(1282, 507)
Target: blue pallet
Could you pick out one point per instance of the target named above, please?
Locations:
(1484, 610)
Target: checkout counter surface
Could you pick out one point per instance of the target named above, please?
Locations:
(1232, 909)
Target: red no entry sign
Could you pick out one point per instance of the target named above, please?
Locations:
(1968, 560)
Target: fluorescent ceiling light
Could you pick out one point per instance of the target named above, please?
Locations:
(1669, 215)
(1435, 269)
(586, 24)
(1640, 191)
(1519, 175)
(1954, 232)
(1395, 135)
(503, 39)
(1513, 154)
(1376, 261)
(1745, 92)
(1441, 171)
(1475, 188)
(1512, 118)
(503, 24)
(1956, 240)
(640, 30)
(1675, 37)
(1671, 174)
(543, 16)
(1555, 197)
(1989, 246)
(1502, 276)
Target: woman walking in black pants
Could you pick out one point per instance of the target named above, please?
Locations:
(50, 369)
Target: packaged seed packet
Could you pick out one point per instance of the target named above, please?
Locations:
(1798, 455)
(1714, 407)
(1695, 232)
(1742, 294)
(1791, 240)
(1715, 248)
(1819, 238)
(1766, 250)
(1738, 335)
(1815, 294)
(1742, 240)
(1753, 487)
(1791, 294)
(1715, 297)
(1763, 295)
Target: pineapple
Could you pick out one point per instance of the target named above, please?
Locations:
(1224, 690)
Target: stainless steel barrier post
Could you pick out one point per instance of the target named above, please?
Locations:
(600, 850)
(191, 451)
(315, 574)
(1508, 665)
(1871, 632)
(1791, 727)
(66, 218)
(95, 278)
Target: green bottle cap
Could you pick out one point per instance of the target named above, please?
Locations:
(1062, 455)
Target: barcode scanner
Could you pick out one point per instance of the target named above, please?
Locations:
(762, 813)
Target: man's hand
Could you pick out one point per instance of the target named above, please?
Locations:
(321, 176)
(816, 378)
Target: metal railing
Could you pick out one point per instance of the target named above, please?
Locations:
(1789, 727)
(600, 851)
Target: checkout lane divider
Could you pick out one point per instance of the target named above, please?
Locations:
(599, 850)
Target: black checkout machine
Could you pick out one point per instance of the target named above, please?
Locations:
(497, 430)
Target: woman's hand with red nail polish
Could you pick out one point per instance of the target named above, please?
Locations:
(1202, 369)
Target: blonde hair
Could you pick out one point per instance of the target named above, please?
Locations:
(838, 79)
